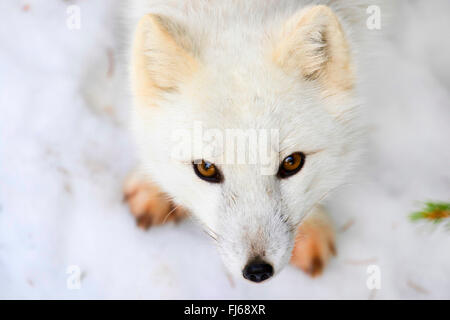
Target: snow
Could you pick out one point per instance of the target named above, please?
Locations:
(65, 150)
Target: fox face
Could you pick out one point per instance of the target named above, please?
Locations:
(248, 134)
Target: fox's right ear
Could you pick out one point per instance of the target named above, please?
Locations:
(162, 57)
(314, 46)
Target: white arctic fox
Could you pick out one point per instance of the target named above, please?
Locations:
(287, 67)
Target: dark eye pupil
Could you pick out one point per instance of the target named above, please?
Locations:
(289, 160)
(207, 165)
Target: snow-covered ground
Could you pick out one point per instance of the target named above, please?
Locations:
(64, 151)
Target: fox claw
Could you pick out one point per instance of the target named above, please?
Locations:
(148, 203)
(315, 244)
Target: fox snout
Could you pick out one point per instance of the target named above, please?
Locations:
(258, 250)
(258, 263)
(257, 271)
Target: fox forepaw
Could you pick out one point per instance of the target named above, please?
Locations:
(315, 244)
(148, 203)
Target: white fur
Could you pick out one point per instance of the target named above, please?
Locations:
(238, 88)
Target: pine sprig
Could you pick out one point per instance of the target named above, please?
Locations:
(433, 211)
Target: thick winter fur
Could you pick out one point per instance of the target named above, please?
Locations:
(275, 64)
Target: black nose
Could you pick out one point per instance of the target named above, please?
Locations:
(257, 271)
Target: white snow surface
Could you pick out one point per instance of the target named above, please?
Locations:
(65, 150)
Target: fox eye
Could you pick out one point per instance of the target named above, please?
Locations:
(207, 171)
(291, 165)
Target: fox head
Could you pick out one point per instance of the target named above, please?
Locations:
(292, 85)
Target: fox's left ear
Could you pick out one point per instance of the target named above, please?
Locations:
(313, 46)
(162, 57)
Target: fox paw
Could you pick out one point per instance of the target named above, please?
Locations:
(148, 203)
(314, 244)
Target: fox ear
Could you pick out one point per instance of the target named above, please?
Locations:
(162, 56)
(314, 46)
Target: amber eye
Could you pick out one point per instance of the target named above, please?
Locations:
(207, 171)
(291, 165)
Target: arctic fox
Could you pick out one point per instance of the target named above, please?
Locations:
(280, 77)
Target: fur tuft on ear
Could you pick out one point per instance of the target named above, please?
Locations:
(313, 45)
(162, 57)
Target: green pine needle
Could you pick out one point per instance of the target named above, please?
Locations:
(433, 211)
